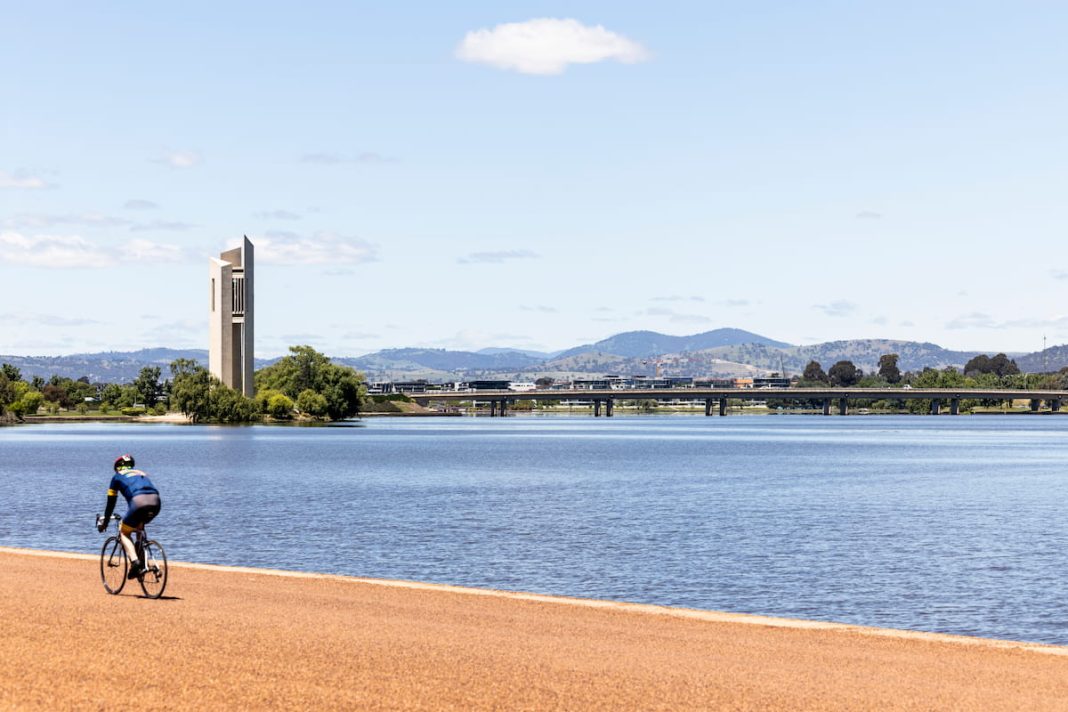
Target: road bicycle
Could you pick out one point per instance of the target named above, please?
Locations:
(114, 564)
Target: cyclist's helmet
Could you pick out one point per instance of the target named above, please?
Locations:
(124, 462)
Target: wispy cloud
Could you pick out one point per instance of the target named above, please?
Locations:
(547, 46)
(277, 215)
(138, 204)
(86, 219)
(678, 298)
(335, 159)
(74, 251)
(20, 180)
(880, 321)
(735, 303)
(539, 308)
(1059, 274)
(869, 215)
(974, 320)
(677, 317)
(179, 159)
(162, 226)
(27, 318)
(836, 308)
(497, 257)
(980, 320)
(321, 248)
(148, 251)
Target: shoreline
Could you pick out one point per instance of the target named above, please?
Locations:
(230, 636)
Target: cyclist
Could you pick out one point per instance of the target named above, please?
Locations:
(142, 506)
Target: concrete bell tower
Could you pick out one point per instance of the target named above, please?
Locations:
(230, 353)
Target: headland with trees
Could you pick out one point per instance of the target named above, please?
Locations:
(302, 386)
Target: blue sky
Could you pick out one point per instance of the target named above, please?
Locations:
(535, 175)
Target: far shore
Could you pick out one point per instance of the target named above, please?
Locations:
(239, 638)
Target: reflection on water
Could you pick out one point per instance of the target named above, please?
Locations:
(952, 524)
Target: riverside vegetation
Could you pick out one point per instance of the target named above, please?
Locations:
(305, 385)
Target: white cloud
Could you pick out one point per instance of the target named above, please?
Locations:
(74, 251)
(278, 215)
(677, 317)
(547, 46)
(21, 181)
(26, 318)
(59, 251)
(148, 251)
(869, 215)
(180, 159)
(138, 204)
(497, 257)
(334, 159)
(837, 308)
(87, 219)
(322, 248)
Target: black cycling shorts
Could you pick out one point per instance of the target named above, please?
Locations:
(142, 512)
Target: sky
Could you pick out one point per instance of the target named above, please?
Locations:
(534, 175)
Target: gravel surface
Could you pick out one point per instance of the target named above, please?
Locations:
(242, 638)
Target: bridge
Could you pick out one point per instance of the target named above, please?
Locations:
(716, 399)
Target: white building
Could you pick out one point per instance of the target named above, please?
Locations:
(230, 353)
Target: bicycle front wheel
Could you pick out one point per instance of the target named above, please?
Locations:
(113, 565)
(154, 578)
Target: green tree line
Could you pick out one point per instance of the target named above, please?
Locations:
(303, 385)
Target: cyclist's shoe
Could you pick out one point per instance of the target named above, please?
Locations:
(136, 570)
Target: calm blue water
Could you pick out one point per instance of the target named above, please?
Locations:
(953, 524)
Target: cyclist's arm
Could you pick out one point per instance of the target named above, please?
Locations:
(112, 497)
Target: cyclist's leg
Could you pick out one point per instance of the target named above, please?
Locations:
(143, 509)
(127, 543)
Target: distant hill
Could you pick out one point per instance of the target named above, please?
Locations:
(639, 344)
(526, 352)
(442, 360)
(718, 353)
(105, 367)
(864, 353)
(1052, 359)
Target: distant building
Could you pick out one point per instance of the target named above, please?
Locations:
(771, 382)
(488, 385)
(230, 353)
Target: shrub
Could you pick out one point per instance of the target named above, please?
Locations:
(133, 410)
(279, 406)
(160, 409)
(311, 403)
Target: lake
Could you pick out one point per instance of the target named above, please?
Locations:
(950, 524)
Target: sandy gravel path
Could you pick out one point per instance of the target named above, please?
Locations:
(233, 638)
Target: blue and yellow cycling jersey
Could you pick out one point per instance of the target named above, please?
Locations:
(131, 483)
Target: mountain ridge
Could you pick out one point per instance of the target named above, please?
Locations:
(738, 352)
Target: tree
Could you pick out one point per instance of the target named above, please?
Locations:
(844, 374)
(111, 393)
(147, 385)
(544, 382)
(7, 392)
(888, 369)
(203, 397)
(814, 372)
(307, 369)
(1003, 366)
(191, 390)
(11, 372)
(977, 364)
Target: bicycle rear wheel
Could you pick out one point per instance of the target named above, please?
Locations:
(113, 565)
(154, 578)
